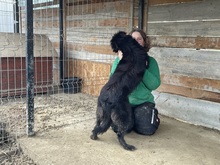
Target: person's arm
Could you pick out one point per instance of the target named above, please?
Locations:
(151, 77)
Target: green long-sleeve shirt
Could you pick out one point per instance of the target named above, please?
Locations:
(150, 81)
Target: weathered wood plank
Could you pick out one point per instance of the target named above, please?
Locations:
(160, 2)
(186, 42)
(97, 7)
(198, 10)
(185, 19)
(197, 28)
(94, 74)
(100, 49)
(115, 22)
(54, 2)
(191, 82)
(188, 62)
(45, 24)
(84, 2)
(105, 20)
(43, 13)
(92, 36)
(189, 92)
(94, 57)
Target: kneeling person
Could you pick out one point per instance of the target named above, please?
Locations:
(146, 120)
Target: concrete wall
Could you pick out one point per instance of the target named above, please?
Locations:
(194, 111)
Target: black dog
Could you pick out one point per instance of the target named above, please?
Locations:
(113, 108)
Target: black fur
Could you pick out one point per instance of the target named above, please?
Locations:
(113, 108)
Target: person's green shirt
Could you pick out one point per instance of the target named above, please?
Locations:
(150, 81)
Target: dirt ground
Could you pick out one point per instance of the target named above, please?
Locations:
(63, 124)
(12, 154)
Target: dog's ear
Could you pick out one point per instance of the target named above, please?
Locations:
(117, 40)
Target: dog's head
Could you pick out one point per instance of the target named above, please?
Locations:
(131, 49)
(117, 40)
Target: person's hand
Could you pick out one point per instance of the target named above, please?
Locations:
(120, 54)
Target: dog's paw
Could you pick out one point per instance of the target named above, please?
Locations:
(130, 147)
(94, 137)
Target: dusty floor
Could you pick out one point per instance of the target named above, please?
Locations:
(64, 123)
(12, 154)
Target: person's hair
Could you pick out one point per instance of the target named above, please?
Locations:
(144, 36)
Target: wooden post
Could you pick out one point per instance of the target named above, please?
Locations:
(145, 16)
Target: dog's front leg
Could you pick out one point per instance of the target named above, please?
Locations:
(123, 143)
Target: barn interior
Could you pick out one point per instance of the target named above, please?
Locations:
(70, 54)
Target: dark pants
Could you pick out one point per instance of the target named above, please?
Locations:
(146, 120)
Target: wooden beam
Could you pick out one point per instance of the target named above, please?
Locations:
(159, 2)
(186, 42)
(145, 16)
(54, 2)
(100, 49)
(83, 2)
(189, 92)
(204, 84)
(185, 28)
(188, 62)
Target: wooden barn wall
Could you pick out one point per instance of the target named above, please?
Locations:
(184, 33)
(94, 74)
(45, 21)
(186, 41)
(45, 25)
(89, 26)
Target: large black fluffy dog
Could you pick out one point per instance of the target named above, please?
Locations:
(113, 108)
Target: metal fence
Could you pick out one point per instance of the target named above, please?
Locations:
(54, 58)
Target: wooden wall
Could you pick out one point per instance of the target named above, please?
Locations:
(89, 27)
(184, 33)
(46, 27)
(186, 41)
(94, 74)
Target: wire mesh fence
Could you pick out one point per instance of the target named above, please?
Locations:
(72, 59)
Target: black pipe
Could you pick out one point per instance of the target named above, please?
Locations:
(140, 14)
(29, 68)
(16, 15)
(61, 40)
